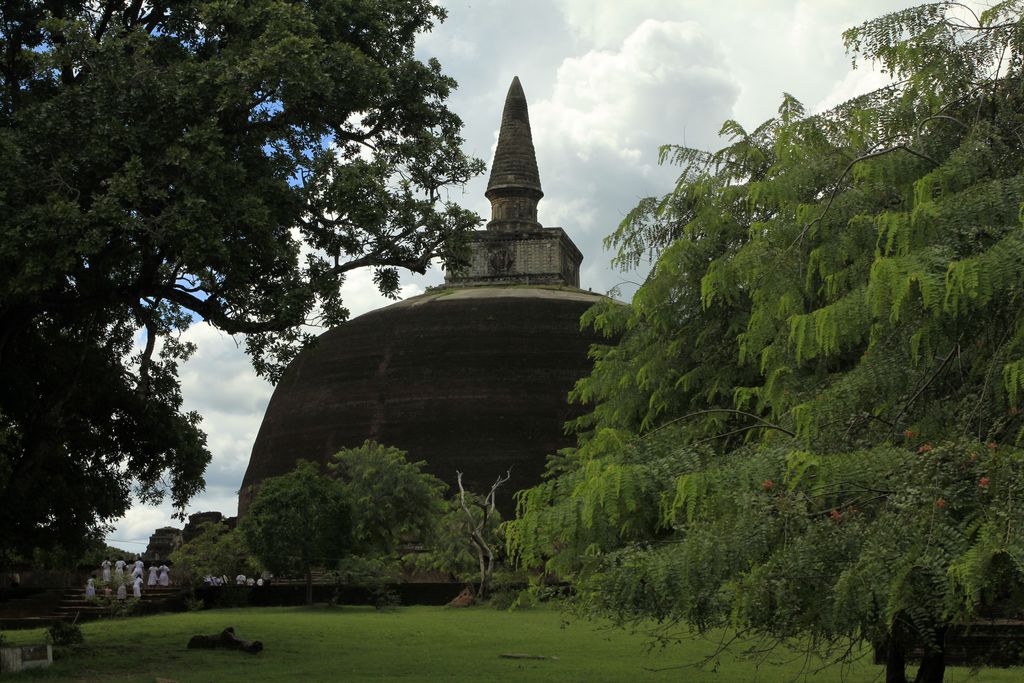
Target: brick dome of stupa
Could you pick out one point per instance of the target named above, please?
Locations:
(473, 376)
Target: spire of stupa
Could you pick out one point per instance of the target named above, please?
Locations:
(514, 185)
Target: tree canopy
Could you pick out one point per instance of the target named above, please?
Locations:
(369, 503)
(390, 499)
(297, 522)
(167, 163)
(811, 425)
(216, 550)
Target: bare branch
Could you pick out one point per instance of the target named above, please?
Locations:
(477, 528)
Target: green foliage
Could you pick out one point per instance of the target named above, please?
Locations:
(298, 521)
(372, 572)
(810, 427)
(227, 163)
(215, 551)
(194, 604)
(353, 519)
(450, 550)
(63, 633)
(390, 500)
(113, 607)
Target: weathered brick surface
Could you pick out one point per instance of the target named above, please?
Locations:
(514, 174)
(470, 379)
(544, 256)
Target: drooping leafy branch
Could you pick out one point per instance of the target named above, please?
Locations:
(852, 278)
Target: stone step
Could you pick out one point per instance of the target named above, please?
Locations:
(75, 605)
(79, 596)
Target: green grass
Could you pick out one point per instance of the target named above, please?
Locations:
(410, 644)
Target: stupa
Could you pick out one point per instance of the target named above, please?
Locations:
(472, 376)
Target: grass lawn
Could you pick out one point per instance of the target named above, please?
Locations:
(410, 644)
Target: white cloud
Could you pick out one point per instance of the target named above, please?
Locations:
(597, 134)
(858, 82)
(664, 77)
(360, 294)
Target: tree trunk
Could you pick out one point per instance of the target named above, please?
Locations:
(933, 662)
(482, 593)
(895, 662)
(309, 586)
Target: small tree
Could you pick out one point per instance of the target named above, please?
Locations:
(216, 550)
(481, 525)
(389, 499)
(371, 501)
(299, 521)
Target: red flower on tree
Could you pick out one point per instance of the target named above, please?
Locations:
(924, 448)
(940, 503)
(836, 515)
(767, 484)
(983, 482)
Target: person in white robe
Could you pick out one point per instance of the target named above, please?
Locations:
(139, 569)
(106, 571)
(152, 576)
(122, 591)
(119, 568)
(165, 578)
(250, 582)
(240, 580)
(90, 589)
(259, 581)
(137, 587)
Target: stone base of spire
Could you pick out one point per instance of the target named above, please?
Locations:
(529, 257)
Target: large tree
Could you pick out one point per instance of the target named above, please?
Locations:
(810, 429)
(164, 163)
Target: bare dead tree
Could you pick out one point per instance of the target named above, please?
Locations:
(478, 526)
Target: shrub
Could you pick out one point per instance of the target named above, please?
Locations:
(63, 633)
(194, 604)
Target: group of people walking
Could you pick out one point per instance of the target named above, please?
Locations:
(157, 576)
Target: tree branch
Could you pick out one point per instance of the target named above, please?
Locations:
(477, 528)
(698, 413)
(108, 12)
(917, 394)
(849, 167)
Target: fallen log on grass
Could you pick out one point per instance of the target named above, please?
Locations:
(225, 640)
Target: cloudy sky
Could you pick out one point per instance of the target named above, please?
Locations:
(607, 81)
